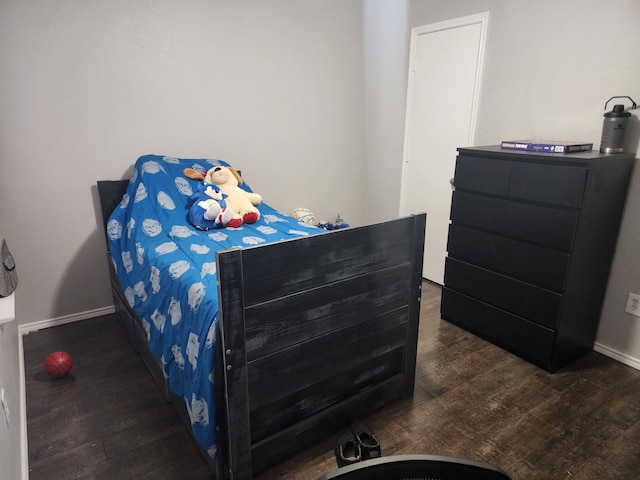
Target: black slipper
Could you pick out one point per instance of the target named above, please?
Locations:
(347, 449)
(369, 444)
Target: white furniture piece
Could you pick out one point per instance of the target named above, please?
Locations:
(7, 308)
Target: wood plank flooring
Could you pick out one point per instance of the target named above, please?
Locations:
(108, 420)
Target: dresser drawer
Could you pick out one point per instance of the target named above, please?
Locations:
(553, 184)
(547, 226)
(537, 304)
(483, 175)
(529, 340)
(560, 185)
(530, 263)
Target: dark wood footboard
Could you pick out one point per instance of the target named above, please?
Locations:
(314, 333)
(317, 331)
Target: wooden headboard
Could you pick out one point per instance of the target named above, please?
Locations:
(110, 192)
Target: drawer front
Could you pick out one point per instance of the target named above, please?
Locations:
(526, 339)
(553, 184)
(484, 175)
(547, 226)
(559, 185)
(530, 263)
(536, 304)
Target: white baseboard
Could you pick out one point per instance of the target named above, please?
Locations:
(33, 327)
(26, 328)
(616, 355)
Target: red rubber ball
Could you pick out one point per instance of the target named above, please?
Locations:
(58, 364)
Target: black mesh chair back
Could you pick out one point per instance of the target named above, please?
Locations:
(417, 467)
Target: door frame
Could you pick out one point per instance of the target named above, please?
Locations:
(483, 20)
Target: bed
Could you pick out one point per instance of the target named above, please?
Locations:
(293, 331)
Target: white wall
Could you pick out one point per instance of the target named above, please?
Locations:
(275, 88)
(550, 66)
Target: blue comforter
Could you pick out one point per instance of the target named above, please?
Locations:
(167, 271)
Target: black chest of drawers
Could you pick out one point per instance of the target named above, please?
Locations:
(530, 246)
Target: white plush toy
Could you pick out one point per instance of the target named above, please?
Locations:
(242, 203)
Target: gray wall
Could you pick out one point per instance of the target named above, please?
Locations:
(386, 60)
(274, 88)
(302, 93)
(550, 66)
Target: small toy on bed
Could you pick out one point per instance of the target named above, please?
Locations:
(304, 215)
(228, 180)
(208, 208)
(339, 223)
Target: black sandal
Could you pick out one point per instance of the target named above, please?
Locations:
(347, 449)
(369, 444)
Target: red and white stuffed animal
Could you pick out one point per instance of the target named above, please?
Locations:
(228, 179)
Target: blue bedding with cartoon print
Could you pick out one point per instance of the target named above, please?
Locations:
(167, 270)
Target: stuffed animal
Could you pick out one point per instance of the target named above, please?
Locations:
(208, 208)
(242, 203)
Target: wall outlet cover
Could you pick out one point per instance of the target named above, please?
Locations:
(633, 304)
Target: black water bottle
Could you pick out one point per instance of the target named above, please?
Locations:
(613, 128)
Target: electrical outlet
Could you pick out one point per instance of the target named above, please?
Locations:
(633, 305)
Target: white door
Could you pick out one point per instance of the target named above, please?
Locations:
(445, 70)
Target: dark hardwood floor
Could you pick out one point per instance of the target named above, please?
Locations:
(108, 420)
